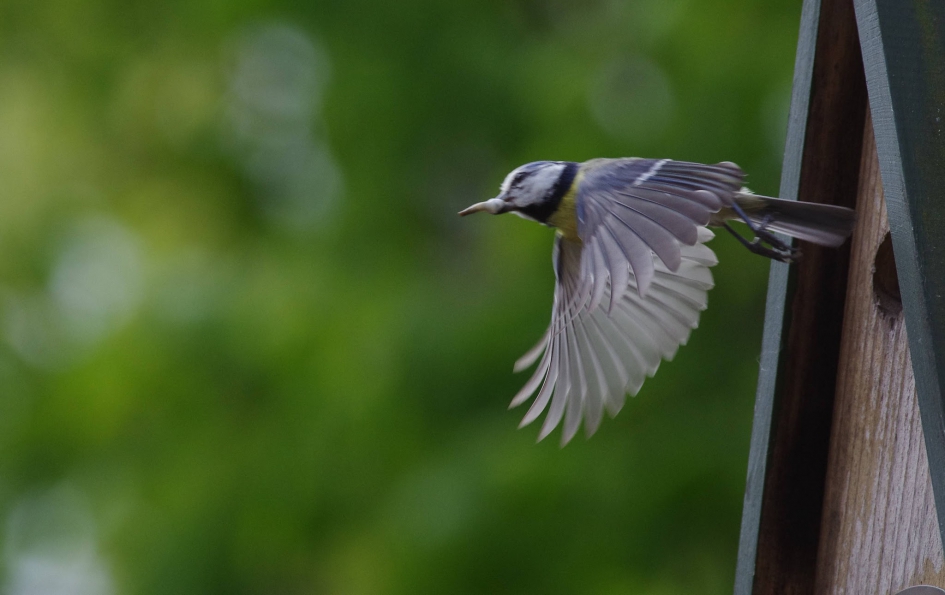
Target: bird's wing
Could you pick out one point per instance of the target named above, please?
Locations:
(591, 359)
(629, 209)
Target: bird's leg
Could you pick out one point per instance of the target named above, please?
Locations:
(759, 248)
(764, 243)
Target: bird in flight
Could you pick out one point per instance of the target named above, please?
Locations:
(632, 268)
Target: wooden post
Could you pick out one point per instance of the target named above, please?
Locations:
(840, 494)
(794, 405)
(879, 529)
(904, 53)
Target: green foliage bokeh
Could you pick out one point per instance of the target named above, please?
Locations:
(226, 371)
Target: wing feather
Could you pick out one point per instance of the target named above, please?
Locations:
(544, 395)
(591, 358)
(561, 392)
(680, 203)
(655, 237)
(599, 272)
(617, 260)
(575, 400)
(642, 251)
(535, 381)
(532, 354)
(593, 372)
(659, 203)
(671, 220)
(699, 196)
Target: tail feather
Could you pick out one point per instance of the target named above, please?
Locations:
(825, 225)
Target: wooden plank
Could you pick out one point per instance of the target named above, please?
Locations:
(787, 463)
(903, 46)
(880, 532)
(775, 307)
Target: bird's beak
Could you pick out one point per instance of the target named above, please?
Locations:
(493, 205)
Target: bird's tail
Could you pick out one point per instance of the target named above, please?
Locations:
(825, 225)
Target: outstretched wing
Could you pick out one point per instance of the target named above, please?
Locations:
(593, 358)
(630, 209)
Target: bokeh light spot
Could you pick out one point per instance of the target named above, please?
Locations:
(51, 549)
(276, 82)
(97, 280)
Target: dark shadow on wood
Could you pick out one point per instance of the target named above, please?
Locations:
(801, 415)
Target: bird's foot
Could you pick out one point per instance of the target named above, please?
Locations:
(766, 244)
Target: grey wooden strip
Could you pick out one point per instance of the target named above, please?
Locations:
(903, 45)
(880, 532)
(775, 307)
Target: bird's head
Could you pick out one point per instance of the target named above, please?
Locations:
(530, 191)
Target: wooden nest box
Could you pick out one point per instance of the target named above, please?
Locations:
(846, 477)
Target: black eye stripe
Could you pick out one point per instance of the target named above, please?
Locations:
(543, 209)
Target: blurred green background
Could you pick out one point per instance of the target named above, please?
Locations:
(247, 346)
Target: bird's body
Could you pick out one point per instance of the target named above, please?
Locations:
(632, 269)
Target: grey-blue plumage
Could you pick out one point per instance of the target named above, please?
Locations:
(632, 269)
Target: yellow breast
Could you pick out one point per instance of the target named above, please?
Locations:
(565, 217)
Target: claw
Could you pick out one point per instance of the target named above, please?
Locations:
(764, 243)
(767, 244)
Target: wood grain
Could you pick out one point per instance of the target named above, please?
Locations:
(862, 519)
(879, 529)
(776, 308)
(904, 60)
(792, 499)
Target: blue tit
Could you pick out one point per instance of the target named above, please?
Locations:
(632, 269)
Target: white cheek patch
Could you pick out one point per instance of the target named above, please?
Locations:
(535, 187)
